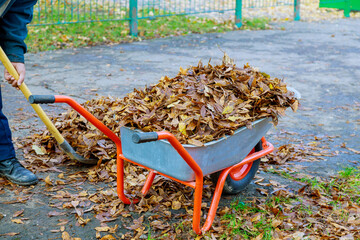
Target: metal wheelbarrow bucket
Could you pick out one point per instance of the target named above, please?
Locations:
(211, 157)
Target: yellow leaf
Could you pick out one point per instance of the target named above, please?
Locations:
(65, 236)
(259, 237)
(276, 223)
(176, 205)
(83, 194)
(295, 106)
(182, 128)
(107, 237)
(83, 221)
(271, 86)
(10, 234)
(102, 229)
(173, 104)
(228, 109)
(207, 92)
(38, 150)
(59, 182)
(227, 60)
(114, 228)
(256, 218)
(183, 71)
(234, 118)
(48, 181)
(18, 221)
(65, 38)
(339, 226)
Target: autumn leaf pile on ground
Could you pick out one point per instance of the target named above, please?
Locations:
(317, 209)
(201, 104)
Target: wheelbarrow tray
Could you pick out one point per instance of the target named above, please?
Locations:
(212, 157)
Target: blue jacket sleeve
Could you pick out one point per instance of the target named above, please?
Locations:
(13, 29)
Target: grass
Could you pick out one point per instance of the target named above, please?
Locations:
(349, 183)
(236, 222)
(346, 184)
(315, 183)
(51, 37)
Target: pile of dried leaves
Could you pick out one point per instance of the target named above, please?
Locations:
(315, 209)
(201, 104)
(314, 150)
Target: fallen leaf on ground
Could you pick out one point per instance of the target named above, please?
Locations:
(55, 213)
(353, 150)
(108, 237)
(18, 213)
(65, 236)
(48, 181)
(18, 221)
(9, 234)
(102, 229)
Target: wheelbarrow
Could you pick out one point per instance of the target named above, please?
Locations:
(231, 161)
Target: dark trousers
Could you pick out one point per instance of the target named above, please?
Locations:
(6, 146)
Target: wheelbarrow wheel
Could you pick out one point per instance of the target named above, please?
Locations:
(246, 174)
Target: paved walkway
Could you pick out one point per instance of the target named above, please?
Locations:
(321, 60)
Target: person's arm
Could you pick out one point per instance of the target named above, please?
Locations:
(13, 32)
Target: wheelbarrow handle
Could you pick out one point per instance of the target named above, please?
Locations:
(145, 137)
(38, 99)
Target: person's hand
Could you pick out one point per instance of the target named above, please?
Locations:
(20, 68)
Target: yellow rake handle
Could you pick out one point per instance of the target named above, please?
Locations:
(25, 90)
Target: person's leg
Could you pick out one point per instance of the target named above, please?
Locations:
(6, 146)
(9, 165)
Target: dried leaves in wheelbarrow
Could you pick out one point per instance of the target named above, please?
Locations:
(205, 102)
(201, 104)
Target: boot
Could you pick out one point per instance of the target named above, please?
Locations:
(16, 173)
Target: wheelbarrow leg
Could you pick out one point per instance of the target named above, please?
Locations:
(197, 199)
(197, 204)
(120, 178)
(267, 148)
(148, 182)
(215, 200)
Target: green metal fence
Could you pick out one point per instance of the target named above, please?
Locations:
(49, 12)
(346, 5)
